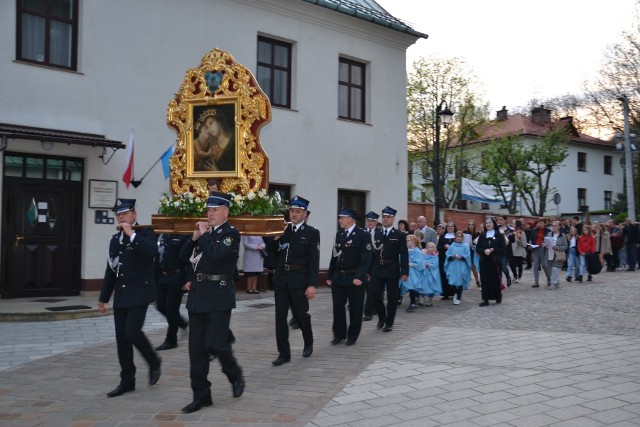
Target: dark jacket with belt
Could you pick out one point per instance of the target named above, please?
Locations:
(129, 275)
(298, 256)
(213, 259)
(390, 254)
(351, 257)
(170, 270)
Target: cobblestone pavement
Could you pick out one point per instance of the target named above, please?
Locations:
(567, 357)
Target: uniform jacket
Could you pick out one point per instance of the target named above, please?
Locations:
(214, 253)
(170, 270)
(351, 257)
(301, 248)
(129, 275)
(388, 249)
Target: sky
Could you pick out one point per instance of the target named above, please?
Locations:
(519, 50)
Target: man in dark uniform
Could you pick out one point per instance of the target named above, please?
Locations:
(348, 270)
(171, 276)
(130, 278)
(369, 307)
(213, 251)
(390, 263)
(295, 278)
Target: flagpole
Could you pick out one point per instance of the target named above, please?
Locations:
(137, 183)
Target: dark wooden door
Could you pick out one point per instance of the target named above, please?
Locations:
(41, 234)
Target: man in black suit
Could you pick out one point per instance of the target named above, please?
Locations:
(213, 252)
(171, 276)
(390, 263)
(295, 278)
(129, 276)
(348, 270)
(369, 306)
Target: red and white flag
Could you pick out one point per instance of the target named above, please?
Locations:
(127, 176)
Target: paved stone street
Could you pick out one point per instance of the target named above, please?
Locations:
(567, 357)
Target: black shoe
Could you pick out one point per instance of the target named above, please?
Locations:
(196, 405)
(498, 301)
(387, 329)
(535, 286)
(380, 324)
(569, 279)
(367, 317)
(281, 361)
(212, 357)
(349, 343)
(588, 278)
(484, 303)
(295, 325)
(508, 282)
(400, 301)
(444, 298)
(154, 374)
(579, 279)
(184, 324)
(307, 351)
(166, 346)
(336, 341)
(238, 387)
(120, 390)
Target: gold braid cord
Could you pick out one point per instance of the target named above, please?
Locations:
(219, 86)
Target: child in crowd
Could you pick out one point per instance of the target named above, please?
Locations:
(432, 283)
(457, 266)
(415, 283)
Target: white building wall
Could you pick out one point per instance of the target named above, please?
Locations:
(132, 59)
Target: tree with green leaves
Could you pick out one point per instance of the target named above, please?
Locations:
(432, 81)
(527, 166)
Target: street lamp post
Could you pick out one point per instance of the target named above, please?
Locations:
(443, 115)
(628, 164)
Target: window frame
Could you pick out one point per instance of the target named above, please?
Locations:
(608, 165)
(608, 200)
(350, 87)
(48, 17)
(582, 161)
(273, 67)
(355, 200)
(582, 198)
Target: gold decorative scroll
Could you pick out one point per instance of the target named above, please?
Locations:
(219, 82)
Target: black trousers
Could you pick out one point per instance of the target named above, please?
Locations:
(388, 314)
(128, 323)
(369, 306)
(296, 300)
(169, 300)
(209, 333)
(341, 295)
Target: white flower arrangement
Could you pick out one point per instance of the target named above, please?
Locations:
(189, 205)
(182, 205)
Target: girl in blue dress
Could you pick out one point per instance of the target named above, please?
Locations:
(415, 283)
(457, 266)
(433, 284)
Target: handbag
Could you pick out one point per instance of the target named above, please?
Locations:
(560, 255)
(593, 264)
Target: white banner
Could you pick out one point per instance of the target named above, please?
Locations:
(478, 192)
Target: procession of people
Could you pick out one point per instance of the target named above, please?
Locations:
(370, 270)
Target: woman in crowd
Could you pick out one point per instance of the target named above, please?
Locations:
(603, 244)
(556, 253)
(519, 251)
(473, 233)
(252, 262)
(586, 245)
(444, 242)
(403, 226)
(458, 266)
(490, 248)
(573, 264)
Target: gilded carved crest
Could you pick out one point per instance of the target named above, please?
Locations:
(217, 114)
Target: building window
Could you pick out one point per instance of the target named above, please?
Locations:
(582, 161)
(484, 206)
(354, 200)
(19, 165)
(274, 70)
(608, 162)
(351, 90)
(607, 200)
(47, 32)
(283, 190)
(582, 198)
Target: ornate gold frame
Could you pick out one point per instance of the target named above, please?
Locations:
(219, 80)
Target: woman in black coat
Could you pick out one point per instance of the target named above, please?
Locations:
(490, 247)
